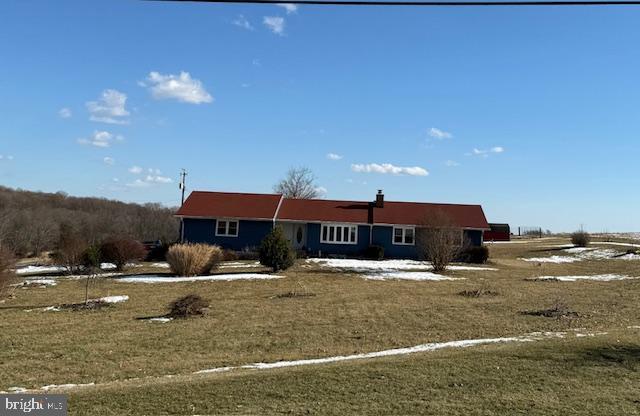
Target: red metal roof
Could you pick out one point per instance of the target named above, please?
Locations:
(415, 213)
(323, 210)
(230, 205)
(265, 206)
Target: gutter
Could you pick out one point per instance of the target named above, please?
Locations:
(275, 215)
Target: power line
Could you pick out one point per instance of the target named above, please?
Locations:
(421, 3)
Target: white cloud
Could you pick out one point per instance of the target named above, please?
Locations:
(101, 139)
(149, 180)
(138, 183)
(321, 190)
(110, 108)
(245, 85)
(275, 24)
(158, 179)
(334, 156)
(485, 153)
(289, 7)
(242, 22)
(135, 170)
(388, 168)
(8, 157)
(179, 87)
(451, 163)
(154, 171)
(256, 62)
(439, 134)
(109, 161)
(65, 113)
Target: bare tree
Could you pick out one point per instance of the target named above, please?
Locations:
(439, 240)
(7, 276)
(298, 183)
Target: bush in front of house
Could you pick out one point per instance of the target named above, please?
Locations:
(276, 251)
(7, 276)
(186, 306)
(374, 252)
(121, 251)
(476, 254)
(580, 238)
(193, 259)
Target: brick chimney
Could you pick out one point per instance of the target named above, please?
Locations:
(379, 199)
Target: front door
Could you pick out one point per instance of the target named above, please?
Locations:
(299, 236)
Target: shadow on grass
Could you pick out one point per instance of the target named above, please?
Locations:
(626, 355)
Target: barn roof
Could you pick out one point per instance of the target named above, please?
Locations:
(274, 206)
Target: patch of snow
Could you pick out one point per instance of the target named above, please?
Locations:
(629, 256)
(40, 269)
(596, 277)
(408, 276)
(552, 259)
(52, 309)
(233, 264)
(43, 282)
(16, 389)
(385, 353)
(65, 386)
(162, 264)
(215, 277)
(112, 299)
(574, 250)
(161, 320)
(591, 334)
(363, 266)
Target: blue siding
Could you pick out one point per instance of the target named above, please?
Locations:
(315, 246)
(250, 233)
(383, 236)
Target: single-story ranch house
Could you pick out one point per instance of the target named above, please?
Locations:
(320, 227)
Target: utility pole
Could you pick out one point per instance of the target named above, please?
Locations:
(182, 186)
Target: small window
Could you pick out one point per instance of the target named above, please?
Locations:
(225, 228)
(404, 236)
(339, 234)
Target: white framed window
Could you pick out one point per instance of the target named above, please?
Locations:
(404, 236)
(339, 234)
(227, 228)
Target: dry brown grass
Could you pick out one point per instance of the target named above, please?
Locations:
(347, 315)
(193, 259)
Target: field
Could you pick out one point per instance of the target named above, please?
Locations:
(584, 362)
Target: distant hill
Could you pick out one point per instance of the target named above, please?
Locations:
(30, 221)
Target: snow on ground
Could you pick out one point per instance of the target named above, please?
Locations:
(532, 337)
(596, 277)
(386, 353)
(363, 266)
(407, 276)
(552, 259)
(112, 299)
(161, 320)
(40, 269)
(162, 265)
(583, 253)
(215, 277)
(237, 264)
(41, 282)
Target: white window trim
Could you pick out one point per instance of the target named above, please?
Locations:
(335, 225)
(226, 234)
(404, 232)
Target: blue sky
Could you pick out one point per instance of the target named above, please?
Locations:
(532, 112)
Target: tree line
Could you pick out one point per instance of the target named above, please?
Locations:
(31, 222)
